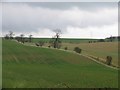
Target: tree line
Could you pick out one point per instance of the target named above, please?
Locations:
(54, 42)
(21, 38)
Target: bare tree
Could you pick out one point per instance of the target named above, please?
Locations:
(108, 60)
(55, 41)
(30, 38)
(11, 34)
(6, 36)
(22, 37)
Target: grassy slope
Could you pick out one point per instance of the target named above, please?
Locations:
(101, 50)
(0, 62)
(25, 66)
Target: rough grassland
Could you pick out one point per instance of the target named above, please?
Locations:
(100, 50)
(0, 63)
(27, 66)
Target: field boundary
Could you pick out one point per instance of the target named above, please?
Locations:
(84, 55)
(92, 58)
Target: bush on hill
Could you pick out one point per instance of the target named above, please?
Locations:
(77, 49)
(108, 60)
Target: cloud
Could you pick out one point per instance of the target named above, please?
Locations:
(92, 32)
(0, 19)
(23, 18)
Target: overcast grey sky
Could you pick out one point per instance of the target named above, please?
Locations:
(75, 19)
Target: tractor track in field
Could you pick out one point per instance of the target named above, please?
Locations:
(84, 55)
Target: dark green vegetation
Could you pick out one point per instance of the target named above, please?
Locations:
(64, 40)
(77, 49)
(72, 40)
(0, 62)
(27, 66)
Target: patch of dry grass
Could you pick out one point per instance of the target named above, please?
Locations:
(100, 50)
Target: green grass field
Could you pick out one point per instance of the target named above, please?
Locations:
(99, 49)
(0, 63)
(64, 40)
(33, 67)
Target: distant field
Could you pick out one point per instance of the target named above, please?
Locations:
(70, 40)
(98, 49)
(33, 67)
(0, 63)
(65, 40)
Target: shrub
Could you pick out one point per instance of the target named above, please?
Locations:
(49, 46)
(41, 43)
(108, 60)
(77, 49)
(97, 58)
(66, 48)
(37, 44)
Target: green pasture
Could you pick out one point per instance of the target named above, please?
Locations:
(65, 40)
(36, 67)
(99, 49)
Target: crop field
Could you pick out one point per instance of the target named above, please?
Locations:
(36, 67)
(65, 40)
(0, 63)
(70, 40)
(98, 49)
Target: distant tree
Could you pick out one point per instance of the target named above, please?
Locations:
(94, 41)
(11, 34)
(55, 41)
(21, 35)
(30, 38)
(101, 40)
(118, 38)
(22, 38)
(66, 48)
(6, 36)
(108, 60)
(90, 41)
(77, 49)
(18, 38)
(111, 38)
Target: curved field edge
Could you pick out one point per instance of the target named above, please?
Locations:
(32, 67)
(97, 50)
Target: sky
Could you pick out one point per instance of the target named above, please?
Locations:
(74, 19)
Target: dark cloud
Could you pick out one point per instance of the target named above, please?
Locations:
(35, 17)
(67, 5)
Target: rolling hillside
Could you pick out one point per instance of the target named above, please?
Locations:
(99, 49)
(33, 67)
